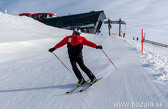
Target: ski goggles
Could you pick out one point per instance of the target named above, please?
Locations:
(76, 33)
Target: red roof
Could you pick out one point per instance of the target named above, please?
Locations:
(25, 14)
(45, 14)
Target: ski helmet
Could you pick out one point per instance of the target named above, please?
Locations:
(77, 31)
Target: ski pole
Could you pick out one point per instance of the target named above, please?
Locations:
(109, 58)
(61, 62)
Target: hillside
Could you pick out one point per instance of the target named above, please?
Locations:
(32, 78)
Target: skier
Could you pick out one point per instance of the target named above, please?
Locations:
(75, 44)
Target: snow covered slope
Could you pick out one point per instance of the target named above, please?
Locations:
(154, 57)
(32, 78)
(15, 28)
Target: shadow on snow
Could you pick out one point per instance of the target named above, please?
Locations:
(39, 88)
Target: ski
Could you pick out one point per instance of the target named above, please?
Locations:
(91, 85)
(76, 88)
(73, 90)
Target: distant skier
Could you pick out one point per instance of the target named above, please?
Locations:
(75, 44)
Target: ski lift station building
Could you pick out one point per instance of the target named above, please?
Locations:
(90, 22)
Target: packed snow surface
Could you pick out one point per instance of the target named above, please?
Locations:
(33, 78)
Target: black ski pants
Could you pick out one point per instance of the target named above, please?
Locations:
(80, 62)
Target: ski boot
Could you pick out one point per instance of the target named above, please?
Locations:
(81, 81)
(93, 81)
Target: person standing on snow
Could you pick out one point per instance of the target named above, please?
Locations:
(75, 44)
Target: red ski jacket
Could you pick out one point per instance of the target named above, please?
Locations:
(75, 45)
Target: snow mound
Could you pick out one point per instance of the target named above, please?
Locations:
(154, 57)
(22, 28)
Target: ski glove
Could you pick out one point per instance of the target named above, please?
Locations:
(51, 49)
(99, 47)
